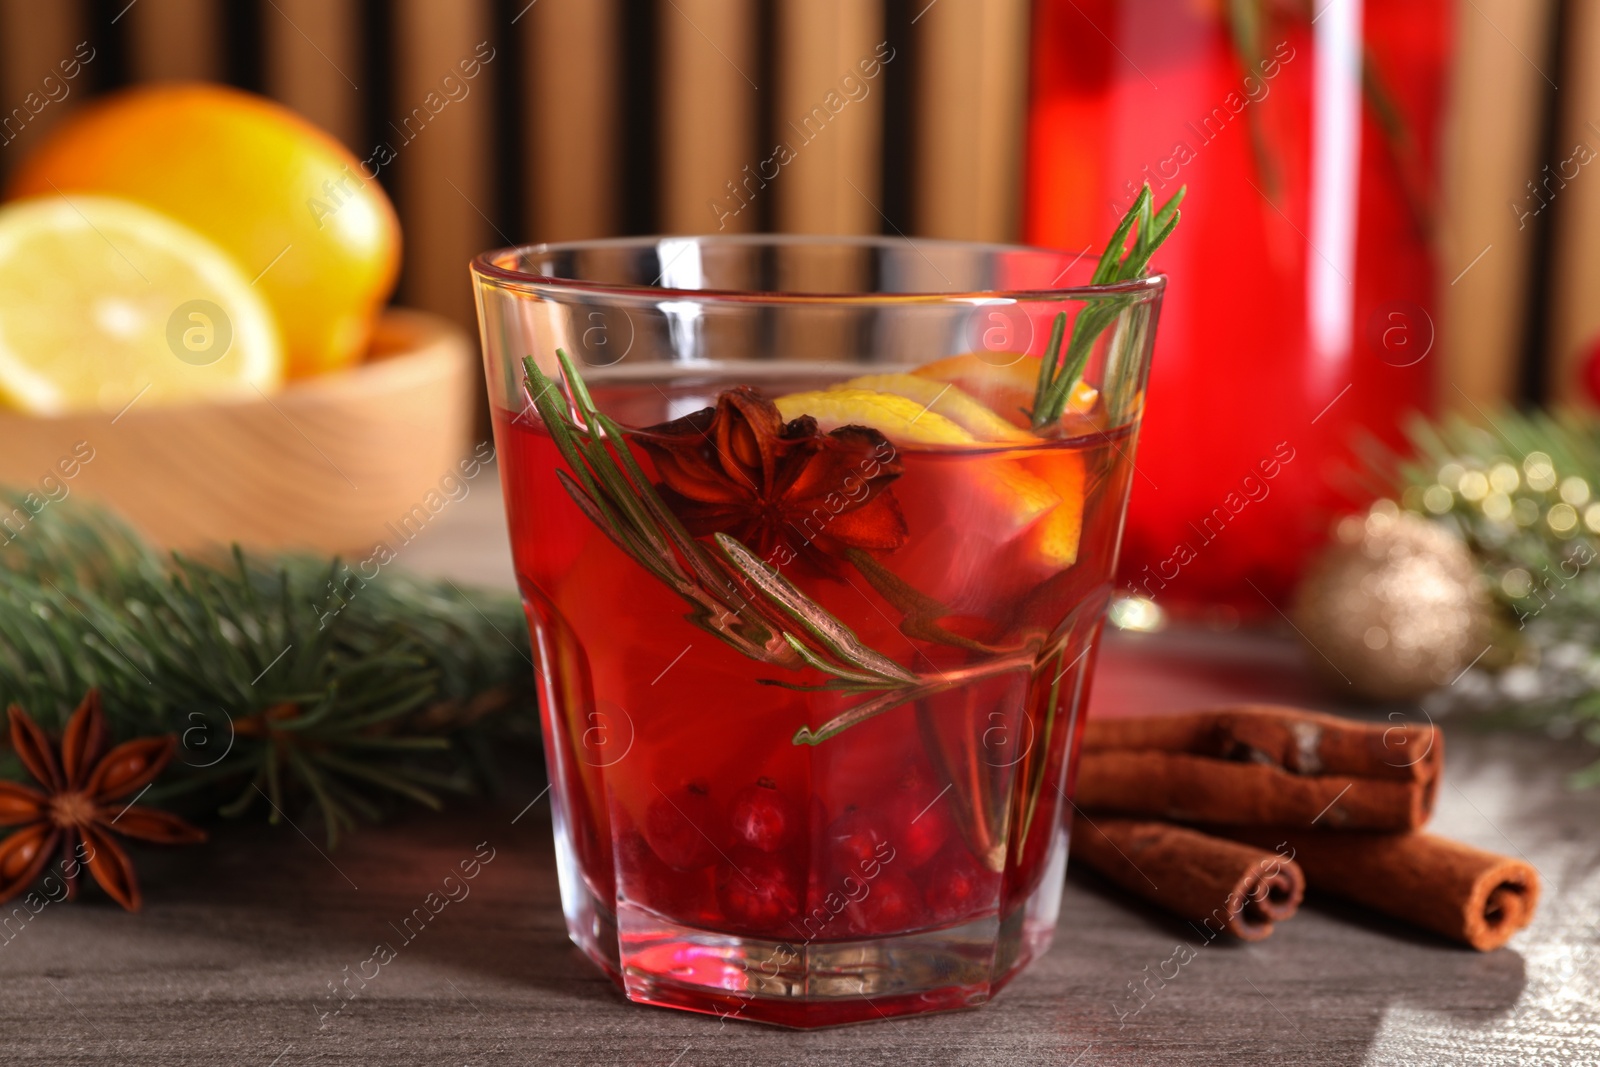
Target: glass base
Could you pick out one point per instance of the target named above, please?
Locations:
(802, 984)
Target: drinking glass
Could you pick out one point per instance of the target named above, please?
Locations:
(814, 602)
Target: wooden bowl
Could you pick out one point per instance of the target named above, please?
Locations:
(335, 463)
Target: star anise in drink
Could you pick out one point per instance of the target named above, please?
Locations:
(73, 813)
(785, 489)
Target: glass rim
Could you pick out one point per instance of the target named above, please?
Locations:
(487, 265)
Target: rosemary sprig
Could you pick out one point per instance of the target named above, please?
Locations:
(732, 593)
(1118, 263)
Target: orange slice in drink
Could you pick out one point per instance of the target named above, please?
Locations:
(1023, 497)
(1056, 537)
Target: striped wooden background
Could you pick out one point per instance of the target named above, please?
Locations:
(598, 117)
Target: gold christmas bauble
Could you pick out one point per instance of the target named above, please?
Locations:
(1394, 607)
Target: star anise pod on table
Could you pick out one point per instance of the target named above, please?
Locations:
(73, 813)
(740, 469)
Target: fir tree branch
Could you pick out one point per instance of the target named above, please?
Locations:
(1522, 495)
(292, 675)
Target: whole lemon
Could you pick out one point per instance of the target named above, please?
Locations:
(289, 203)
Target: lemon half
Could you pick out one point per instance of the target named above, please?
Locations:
(104, 302)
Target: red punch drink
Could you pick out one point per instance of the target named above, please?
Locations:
(813, 637)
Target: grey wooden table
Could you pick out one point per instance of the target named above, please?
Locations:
(235, 957)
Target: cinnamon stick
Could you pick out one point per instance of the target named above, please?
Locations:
(1262, 765)
(1460, 892)
(1221, 884)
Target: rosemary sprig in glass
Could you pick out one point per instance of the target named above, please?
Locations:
(1118, 263)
